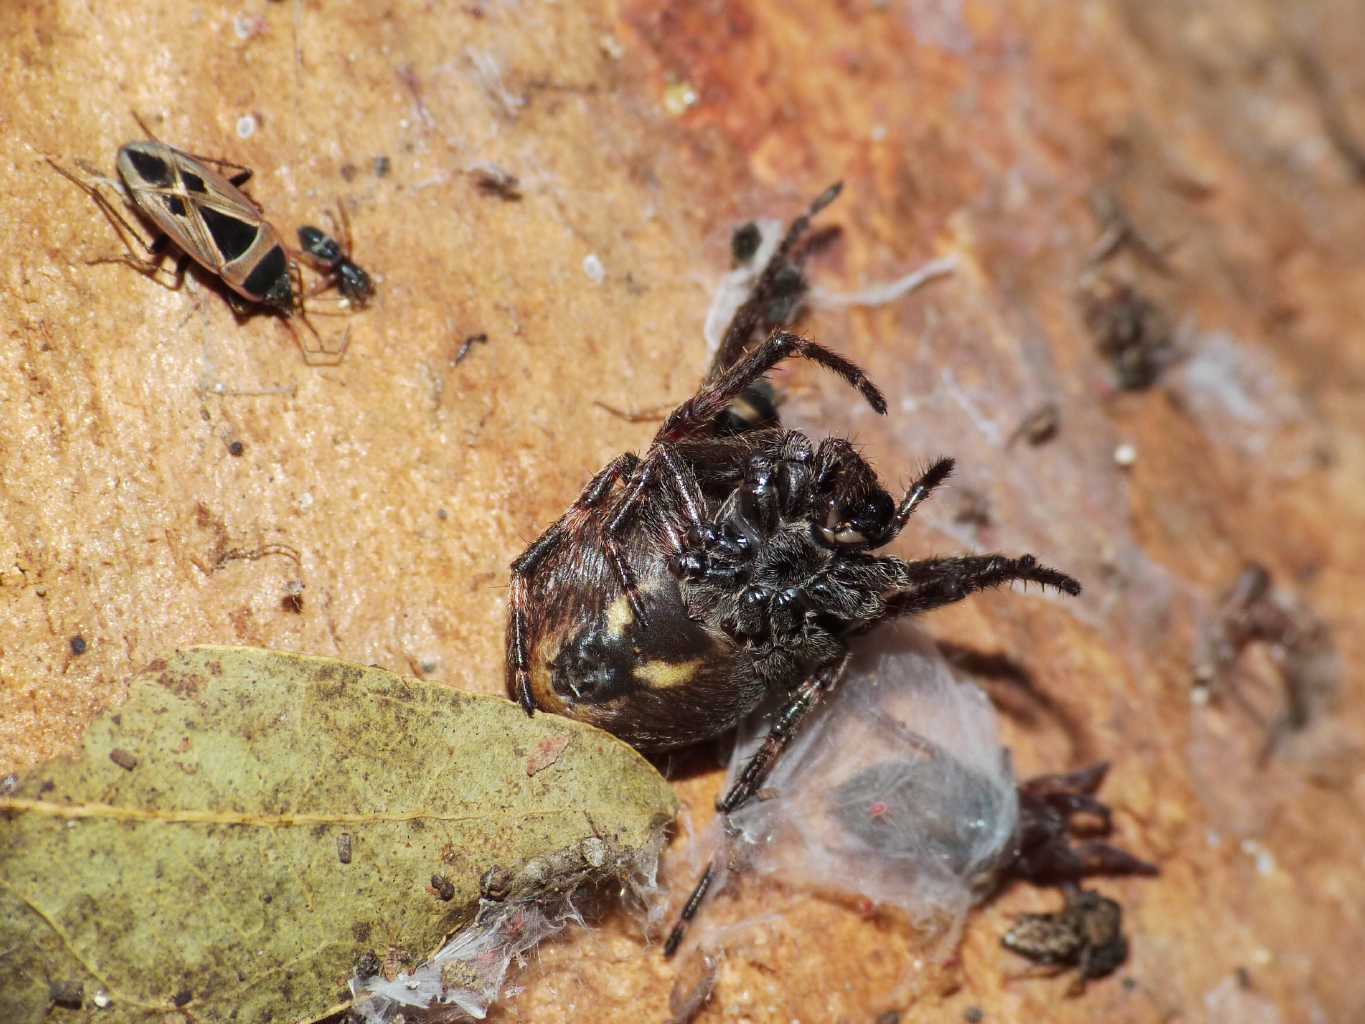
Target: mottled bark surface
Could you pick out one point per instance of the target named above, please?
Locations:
(390, 492)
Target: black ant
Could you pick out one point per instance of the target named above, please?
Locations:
(333, 258)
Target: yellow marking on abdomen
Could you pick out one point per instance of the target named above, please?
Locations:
(659, 675)
(619, 616)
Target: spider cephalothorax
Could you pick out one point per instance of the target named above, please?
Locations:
(732, 560)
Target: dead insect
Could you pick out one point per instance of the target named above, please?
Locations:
(730, 562)
(1087, 933)
(1038, 427)
(492, 180)
(1044, 853)
(1130, 331)
(1254, 611)
(333, 258)
(210, 220)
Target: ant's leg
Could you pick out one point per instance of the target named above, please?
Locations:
(804, 699)
(767, 287)
(529, 563)
(695, 414)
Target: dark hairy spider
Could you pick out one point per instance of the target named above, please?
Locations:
(733, 559)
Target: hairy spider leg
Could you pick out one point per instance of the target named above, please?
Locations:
(750, 313)
(918, 492)
(695, 415)
(688, 491)
(689, 910)
(518, 652)
(804, 699)
(934, 582)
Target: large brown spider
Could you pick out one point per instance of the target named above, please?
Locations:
(733, 559)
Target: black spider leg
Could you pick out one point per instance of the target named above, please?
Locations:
(695, 415)
(750, 314)
(661, 456)
(914, 497)
(689, 910)
(934, 582)
(803, 700)
(530, 561)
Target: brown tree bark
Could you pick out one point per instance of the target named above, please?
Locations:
(173, 476)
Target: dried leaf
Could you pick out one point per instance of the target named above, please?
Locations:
(269, 819)
(546, 753)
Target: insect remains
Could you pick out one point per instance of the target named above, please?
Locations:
(333, 258)
(193, 202)
(732, 561)
(1087, 933)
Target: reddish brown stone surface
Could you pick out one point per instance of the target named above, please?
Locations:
(404, 481)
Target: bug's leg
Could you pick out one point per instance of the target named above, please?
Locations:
(689, 910)
(769, 285)
(934, 582)
(661, 458)
(155, 248)
(529, 562)
(181, 265)
(804, 699)
(695, 415)
(325, 281)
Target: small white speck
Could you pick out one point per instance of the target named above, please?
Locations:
(246, 126)
(879, 133)
(101, 999)
(592, 266)
(248, 26)
(306, 500)
(679, 98)
(1199, 696)
(1265, 860)
(1125, 455)
(612, 47)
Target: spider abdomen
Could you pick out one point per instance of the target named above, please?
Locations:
(661, 683)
